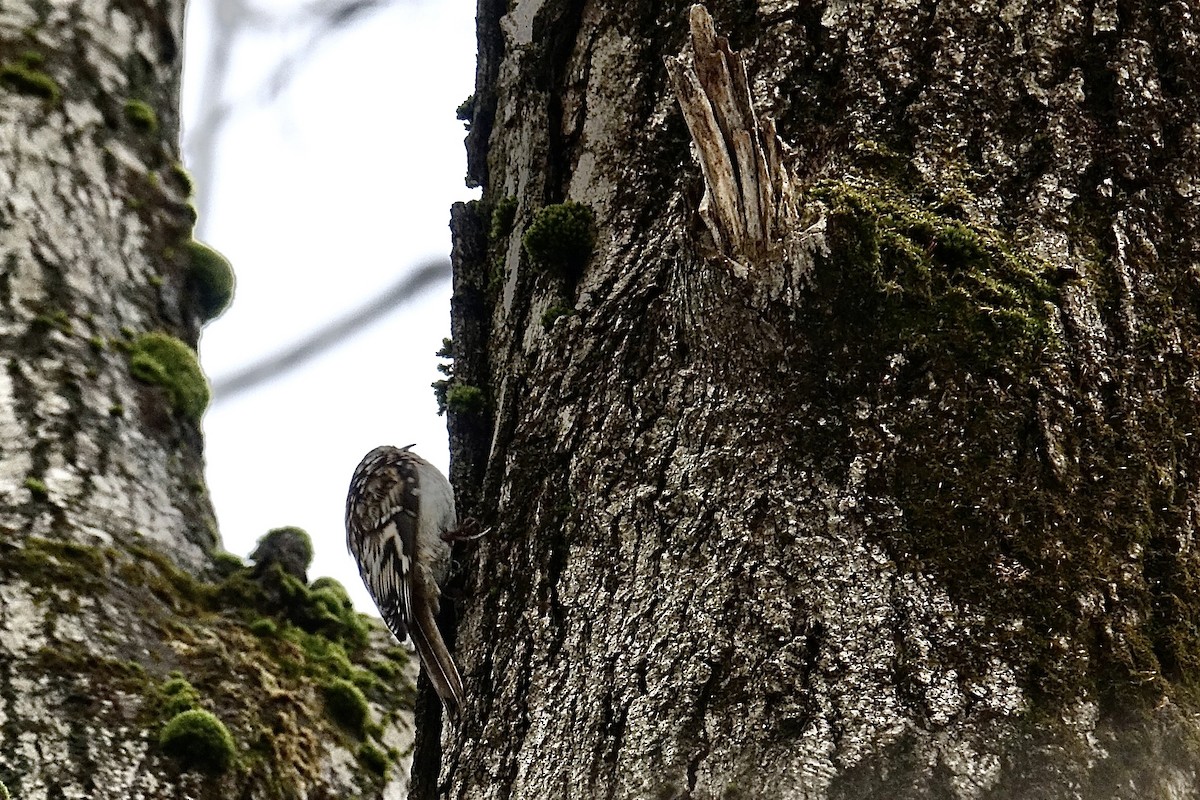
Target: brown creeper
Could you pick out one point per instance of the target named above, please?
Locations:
(400, 519)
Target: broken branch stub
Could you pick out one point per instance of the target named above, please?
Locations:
(747, 203)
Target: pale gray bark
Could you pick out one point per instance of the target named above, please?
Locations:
(107, 539)
(910, 516)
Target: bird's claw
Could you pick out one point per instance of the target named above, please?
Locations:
(465, 532)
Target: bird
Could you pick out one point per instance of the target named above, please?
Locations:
(400, 522)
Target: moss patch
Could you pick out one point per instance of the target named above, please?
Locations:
(503, 217)
(37, 488)
(957, 314)
(289, 547)
(466, 399)
(211, 277)
(374, 759)
(176, 696)
(141, 116)
(25, 77)
(199, 740)
(466, 111)
(226, 564)
(906, 280)
(553, 313)
(561, 238)
(347, 706)
(246, 657)
(160, 359)
(182, 179)
(264, 627)
(57, 320)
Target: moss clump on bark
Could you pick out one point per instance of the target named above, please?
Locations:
(160, 359)
(347, 706)
(561, 238)
(176, 696)
(199, 740)
(465, 399)
(37, 488)
(553, 313)
(57, 320)
(212, 279)
(956, 311)
(25, 77)
(504, 215)
(932, 285)
(465, 111)
(232, 632)
(374, 759)
(289, 547)
(226, 564)
(141, 116)
(182, 178)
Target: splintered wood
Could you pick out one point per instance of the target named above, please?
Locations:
(747, 190)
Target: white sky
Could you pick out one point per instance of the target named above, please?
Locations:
(321, 201)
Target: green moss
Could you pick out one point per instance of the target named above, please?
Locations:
(162, 360)
(551, 315)
(96, 343)
(231, 634)
(199, 740)
(24, 77)
(72, 658)
(176, 696)
(4, 795)
(288, 546)
(141, 116)
(211, 277)
(441, 388)
(264, 628)
(116, 410)
(561, 238)
(465, 399)
(347, 706)
(37, 488)
(931, 286)
(55, 562)
(331, 596)
(503, 217)
(466, 111)
(386, 670)
(374, 759)
(226, 564)
(57, 320)
(183, 179)
(932, 306)
(325, 619)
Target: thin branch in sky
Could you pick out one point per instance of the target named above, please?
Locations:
(231, 20)
(332, 334)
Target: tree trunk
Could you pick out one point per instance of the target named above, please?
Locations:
(120, 621)
(902, 510)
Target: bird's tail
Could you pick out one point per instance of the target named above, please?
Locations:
(436, 659)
